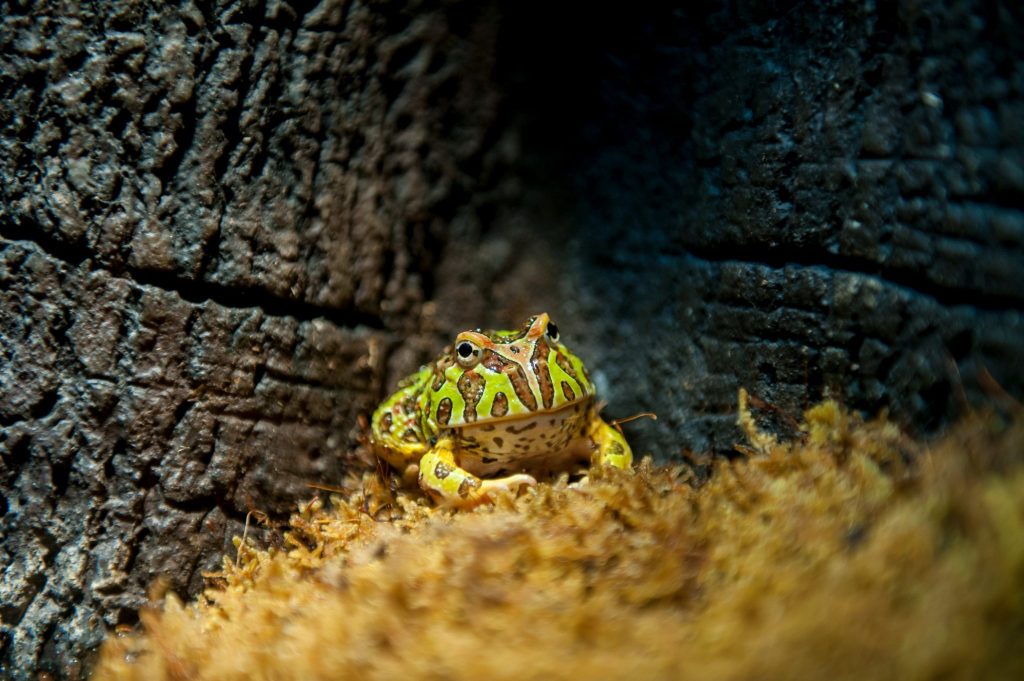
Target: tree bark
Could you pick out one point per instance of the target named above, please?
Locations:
(804, 199)
(216, 222)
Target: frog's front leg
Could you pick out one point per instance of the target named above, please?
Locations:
(611, 448)
(454, 486)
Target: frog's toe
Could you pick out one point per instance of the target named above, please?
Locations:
(511, 483)
(581, 483)
(612, 448)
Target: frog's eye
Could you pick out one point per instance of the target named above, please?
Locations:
(467, 354)
(552, 332)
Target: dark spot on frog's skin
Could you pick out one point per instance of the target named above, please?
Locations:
(439, 369)
(442, 470)
(500, 442)
(570, 395)
(563, 362)
(489, 427)
(539, 365)
(514, 350)
(444, 411)
(386, 420)
(466, 485)
(500, 405)
(615, 449)
(511, 428)
(488, 459)
(471, 386)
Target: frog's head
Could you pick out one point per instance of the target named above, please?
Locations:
(489, 375)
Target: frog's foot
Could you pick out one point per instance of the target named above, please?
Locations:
(581, 483)
(511, 484)
(452, 485)
(611, 447)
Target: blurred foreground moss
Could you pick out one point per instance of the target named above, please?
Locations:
(850, 553)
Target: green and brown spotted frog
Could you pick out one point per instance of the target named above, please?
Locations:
(494, 410)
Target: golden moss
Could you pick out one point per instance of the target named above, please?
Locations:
(852, 554)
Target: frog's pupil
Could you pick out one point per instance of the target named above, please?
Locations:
(552, 330)
(464, 350)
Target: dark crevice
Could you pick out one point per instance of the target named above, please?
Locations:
(192, 505)
(60, 477)
(135, 546)
(184, 139)
(754, 254)
(182, 410)
(402, 56)
(233, 134)
(960, 344)
(258, 374)
(19, 453)
(233, 297)
(206, 456)
(295, 380)
(147, 477)
(45, 405)
(239, 516)
(23, 229)
(127, 617)
(50, 546)
(109, 472)
(199, 292)
(8, 420)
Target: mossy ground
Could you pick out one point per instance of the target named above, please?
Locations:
(850, 553)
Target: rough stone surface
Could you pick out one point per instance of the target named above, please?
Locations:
(227, 227)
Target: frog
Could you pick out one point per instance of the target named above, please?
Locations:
(495, 411)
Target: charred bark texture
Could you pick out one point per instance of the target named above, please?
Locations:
(214, 218)
(801, 198)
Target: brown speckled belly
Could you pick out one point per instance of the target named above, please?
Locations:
(540, 444)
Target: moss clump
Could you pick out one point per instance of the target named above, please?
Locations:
(853, 553)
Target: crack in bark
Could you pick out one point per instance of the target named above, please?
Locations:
(779, 259)
(199, 292)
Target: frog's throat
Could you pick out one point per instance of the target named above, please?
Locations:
(581, 403)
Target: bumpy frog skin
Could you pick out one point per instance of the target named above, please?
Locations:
(495, 409)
